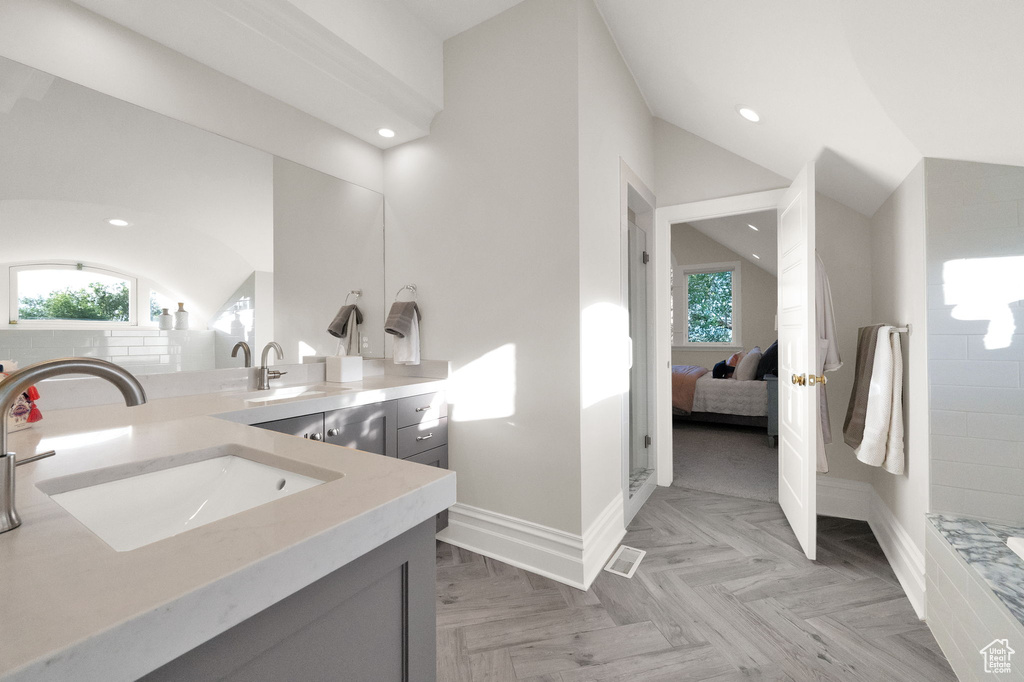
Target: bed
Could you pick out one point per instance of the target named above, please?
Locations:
(724, 400)
(698, 396)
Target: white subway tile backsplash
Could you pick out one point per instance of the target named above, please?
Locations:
(943, 322)
(946, 499)
(976, 349)
(943, 347)
(977, 399)
(996, 374)
(1004, 480)
(988, 505)
(946, 423)
(1002, 453)
(995, 426)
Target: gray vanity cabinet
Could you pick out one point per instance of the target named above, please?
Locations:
(306, 426)
(365, 428)
(413, 428)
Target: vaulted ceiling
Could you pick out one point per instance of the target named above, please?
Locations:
(864, 87)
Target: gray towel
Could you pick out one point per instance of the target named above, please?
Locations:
(853, 428)
(399, 320)
(339, 325)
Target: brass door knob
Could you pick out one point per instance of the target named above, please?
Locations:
(812, 379)
(799, 380)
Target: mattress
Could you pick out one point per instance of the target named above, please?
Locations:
(730, 396)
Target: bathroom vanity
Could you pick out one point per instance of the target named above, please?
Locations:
(337, 577)
(413, 428)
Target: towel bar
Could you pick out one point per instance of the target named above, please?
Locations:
(900, 330)
(410, 287)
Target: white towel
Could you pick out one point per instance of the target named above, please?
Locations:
(407, 348)
(883, 424)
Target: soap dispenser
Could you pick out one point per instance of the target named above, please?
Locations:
(181, 318)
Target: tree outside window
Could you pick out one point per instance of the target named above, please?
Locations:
(710, 296)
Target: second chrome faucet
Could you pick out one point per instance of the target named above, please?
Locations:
(265, 373)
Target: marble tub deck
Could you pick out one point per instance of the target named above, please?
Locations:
(983, 546)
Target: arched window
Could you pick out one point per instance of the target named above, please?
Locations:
(71, 293)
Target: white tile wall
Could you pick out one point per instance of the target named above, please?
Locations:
(965, 616)
(977, 393)
(142, 351)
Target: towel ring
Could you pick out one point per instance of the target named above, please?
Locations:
(410, 287)
(355, 292)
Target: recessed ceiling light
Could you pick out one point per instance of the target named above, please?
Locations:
(756, 256)
(385, 132)
(117, 222)
(752, 227)
(749, 114)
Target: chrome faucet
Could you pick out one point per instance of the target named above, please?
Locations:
(245, 349)
(266, 374)
(18, 382)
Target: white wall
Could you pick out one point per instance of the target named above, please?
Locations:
(614, 123)
(689, 168)
(844, 244)
(483, 216)
(977, 400)
(898, 297)
(66, 40)
(758, 300)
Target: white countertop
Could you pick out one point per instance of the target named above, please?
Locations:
(73, 608)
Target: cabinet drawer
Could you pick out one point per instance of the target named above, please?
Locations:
(413, 440)
(417, 409)
(436, 457)
(305, 426)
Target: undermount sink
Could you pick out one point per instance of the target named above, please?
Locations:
(133, 511)
(1017, 545)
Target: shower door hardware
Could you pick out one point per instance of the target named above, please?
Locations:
(800, 380)
(647, 441)
(647, 258)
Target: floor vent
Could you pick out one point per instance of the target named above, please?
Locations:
(625, 561)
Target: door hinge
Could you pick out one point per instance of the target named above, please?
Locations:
(647, 258)
(647, 441)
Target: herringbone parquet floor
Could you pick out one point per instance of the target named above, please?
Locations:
(724, 594)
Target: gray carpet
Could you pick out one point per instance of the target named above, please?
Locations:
(725, 459)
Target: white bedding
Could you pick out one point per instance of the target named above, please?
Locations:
(731, 396)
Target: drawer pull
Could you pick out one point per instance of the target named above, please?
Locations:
(317, 436)
(429, 435)
(331, 433)
(423, 409)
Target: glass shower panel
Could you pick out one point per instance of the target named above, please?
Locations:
(640, 468)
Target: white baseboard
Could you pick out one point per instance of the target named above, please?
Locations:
(858, 500)
(906, 559)
(568, 558)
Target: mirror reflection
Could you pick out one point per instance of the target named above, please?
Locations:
(143, 240)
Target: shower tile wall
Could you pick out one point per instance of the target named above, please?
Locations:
(976, 213)
(140, 351)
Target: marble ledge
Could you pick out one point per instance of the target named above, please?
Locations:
(982, 544)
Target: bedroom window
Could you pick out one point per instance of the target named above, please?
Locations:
(709, 294)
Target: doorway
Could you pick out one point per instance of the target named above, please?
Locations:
(725, 355)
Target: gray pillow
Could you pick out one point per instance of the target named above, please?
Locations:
(747, 369)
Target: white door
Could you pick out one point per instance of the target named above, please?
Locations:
(798, 406)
